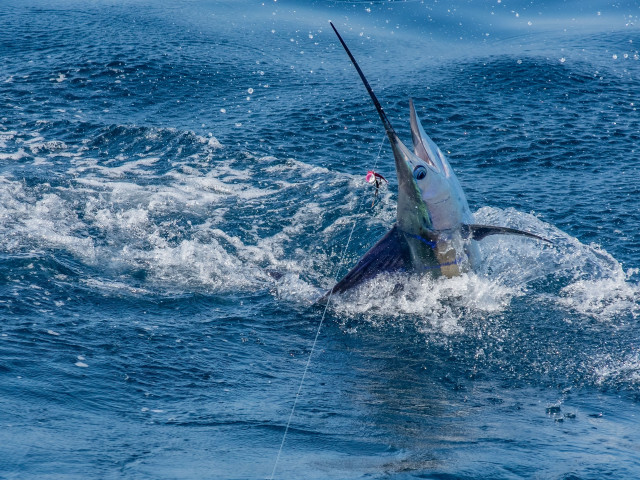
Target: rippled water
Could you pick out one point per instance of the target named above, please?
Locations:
(178, 181)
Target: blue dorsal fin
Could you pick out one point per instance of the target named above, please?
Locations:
(390, 254)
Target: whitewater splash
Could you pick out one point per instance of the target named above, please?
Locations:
(580, 278)
(164, 215)
(176, 209)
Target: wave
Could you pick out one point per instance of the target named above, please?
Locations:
(185, 213)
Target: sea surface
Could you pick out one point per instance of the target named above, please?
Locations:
(181, 180)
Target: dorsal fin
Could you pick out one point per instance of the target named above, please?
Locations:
(390, 254)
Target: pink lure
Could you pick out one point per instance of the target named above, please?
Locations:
(373, 176)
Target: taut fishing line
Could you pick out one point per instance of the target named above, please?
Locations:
(324, 313)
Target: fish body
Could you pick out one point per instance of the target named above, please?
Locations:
(435, 232)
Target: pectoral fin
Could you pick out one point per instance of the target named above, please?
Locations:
(390, 254)
(478, 232)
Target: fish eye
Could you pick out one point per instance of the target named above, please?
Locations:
(419, 172)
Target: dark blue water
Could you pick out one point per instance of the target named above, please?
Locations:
(159, 159)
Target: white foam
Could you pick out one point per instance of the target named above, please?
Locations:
(5, 137)
(103, 217)
(129, 167)
(14, 156)
(210, 141)
(602, 299)
(44, 221)
(130, 219)
(37, 145)
(594, 283)
(229, 185)
(439, 303)
(114, 288)
(196, 265)
(608, 369)
(292, 288)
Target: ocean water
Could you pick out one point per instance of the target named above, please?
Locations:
(178, 184)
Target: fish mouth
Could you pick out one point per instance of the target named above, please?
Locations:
(412, 214)
(423, 147)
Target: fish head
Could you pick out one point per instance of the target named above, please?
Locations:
(439, 187)
(415, 177)
(427, 197)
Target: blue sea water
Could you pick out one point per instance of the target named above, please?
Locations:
(159, 160)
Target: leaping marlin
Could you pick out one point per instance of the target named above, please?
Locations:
(434, 230)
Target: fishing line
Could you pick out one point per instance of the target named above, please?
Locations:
(324, 313)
